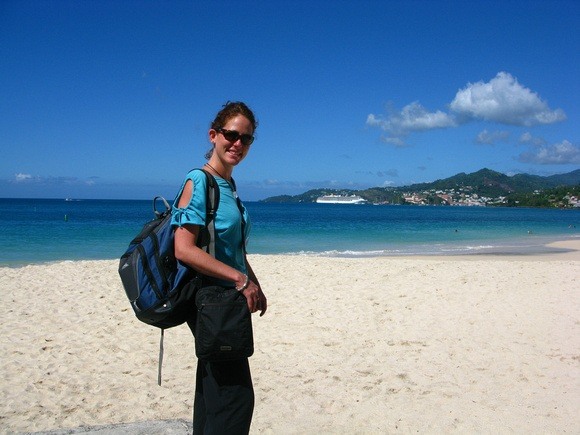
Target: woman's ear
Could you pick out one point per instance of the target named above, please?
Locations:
(212, 134)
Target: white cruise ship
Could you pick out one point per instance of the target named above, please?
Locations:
(340, 199)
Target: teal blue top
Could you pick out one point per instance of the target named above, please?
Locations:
(228, 222)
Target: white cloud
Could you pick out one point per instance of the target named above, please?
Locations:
(557, 154)
(52, 181)
(413, 117)
(527, 138)
(395, 141)
(505, 101)
(490, 138)
(502, 100)
(20, 177)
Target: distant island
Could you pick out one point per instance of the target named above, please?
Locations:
(482, 188)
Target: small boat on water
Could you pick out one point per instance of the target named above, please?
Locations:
(340, 199)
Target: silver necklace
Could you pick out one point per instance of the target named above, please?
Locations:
(226, 180)
(216, 171)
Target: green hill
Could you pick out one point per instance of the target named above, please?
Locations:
(497, 188)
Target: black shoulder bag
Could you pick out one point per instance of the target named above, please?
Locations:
(223, 328)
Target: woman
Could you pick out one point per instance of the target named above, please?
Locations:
(224, 395)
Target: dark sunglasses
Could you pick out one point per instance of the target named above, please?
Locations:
(233, 136)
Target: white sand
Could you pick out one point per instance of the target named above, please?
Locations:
(378, 345)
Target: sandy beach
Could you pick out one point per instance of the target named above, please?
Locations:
(480, 344)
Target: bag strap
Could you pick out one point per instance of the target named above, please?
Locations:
(212, 202)
(241, 209)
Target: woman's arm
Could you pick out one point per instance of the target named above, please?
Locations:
(262, 301)
(189, 253)
(196, 258)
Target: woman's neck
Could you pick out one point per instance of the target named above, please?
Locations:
(219, 170)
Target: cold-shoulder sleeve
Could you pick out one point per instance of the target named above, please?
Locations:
(194, 212)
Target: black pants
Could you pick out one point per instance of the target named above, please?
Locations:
(224, 398)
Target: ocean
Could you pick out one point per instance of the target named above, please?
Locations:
(47, 230)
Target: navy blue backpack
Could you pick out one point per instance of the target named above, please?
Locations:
(160, 288)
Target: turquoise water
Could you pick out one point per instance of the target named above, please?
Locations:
(43, 230)
(355, 230)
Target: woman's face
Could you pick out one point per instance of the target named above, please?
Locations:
(232, 152)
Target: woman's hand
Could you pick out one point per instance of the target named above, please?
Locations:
(256, 298)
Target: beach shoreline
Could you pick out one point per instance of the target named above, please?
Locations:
(471, 343)
(559, 246)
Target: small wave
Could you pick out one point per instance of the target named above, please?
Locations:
(467, 248)
(428, 250)
(345, 253)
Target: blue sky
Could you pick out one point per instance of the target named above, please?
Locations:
(113, 99)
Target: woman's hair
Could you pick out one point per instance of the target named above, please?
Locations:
(230, 110)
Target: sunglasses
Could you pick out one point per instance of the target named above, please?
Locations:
(233, 136)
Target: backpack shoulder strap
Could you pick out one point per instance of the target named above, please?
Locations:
(241, 208)
(212, 202)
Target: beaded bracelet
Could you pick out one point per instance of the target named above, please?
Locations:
(245, 286)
